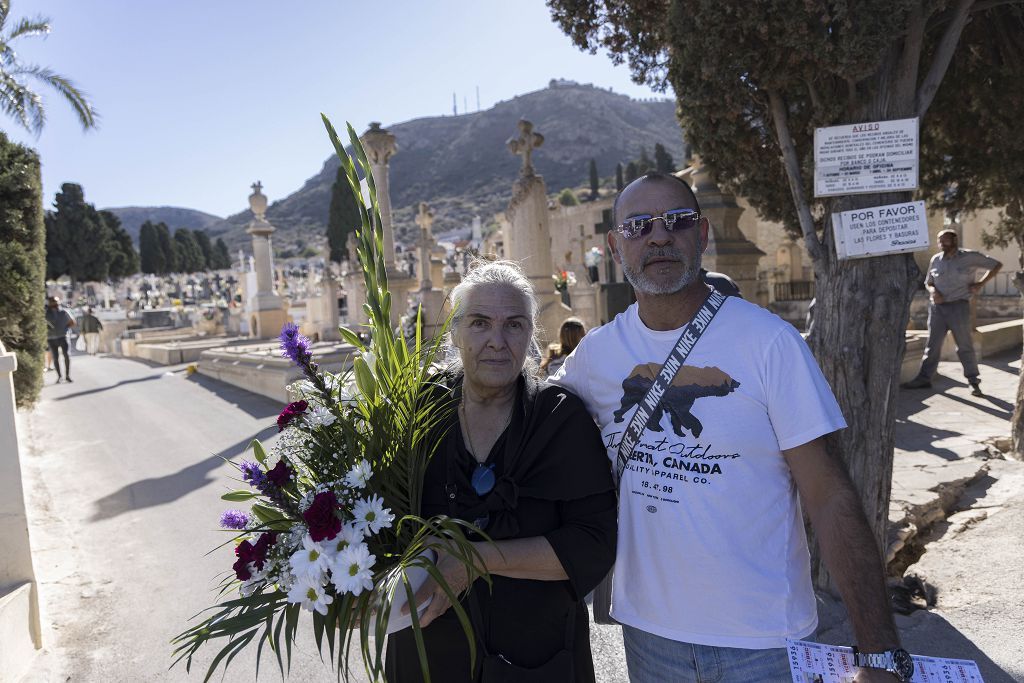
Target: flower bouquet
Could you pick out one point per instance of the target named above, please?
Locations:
(333, 525)
(563, 279)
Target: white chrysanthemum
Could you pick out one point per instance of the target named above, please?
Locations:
(311, 595)
(352, 569)
(320, 417)
(310, 561)
(359, 474)
(371, 361)
(349, 535)
(303, 389)
(371, 516)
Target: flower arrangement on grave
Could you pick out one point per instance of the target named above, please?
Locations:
(333, 527)
(563, 280)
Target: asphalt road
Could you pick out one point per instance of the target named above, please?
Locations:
(123, 474)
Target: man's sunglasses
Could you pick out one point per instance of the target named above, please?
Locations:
(636, 227)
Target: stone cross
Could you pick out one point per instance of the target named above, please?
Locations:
(524, 145)
(425, 219)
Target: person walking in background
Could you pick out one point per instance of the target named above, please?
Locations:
(89, 325)
(569, 337)
(58, 322)
(952, 280)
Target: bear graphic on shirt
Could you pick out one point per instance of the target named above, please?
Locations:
(689, 384)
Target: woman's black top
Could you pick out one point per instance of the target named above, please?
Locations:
(553, 480)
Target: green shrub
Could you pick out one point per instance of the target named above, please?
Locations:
(22, 266)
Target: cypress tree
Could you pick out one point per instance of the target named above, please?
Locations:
(206, 247)
(595, 181)
(79, 243)
(223, 257)
(151, 256)
(632, 172)
(167, 248)
(124, 259)
(619, 182)
(190, 256)
(22, 262)
(342, 218)
(663, 161)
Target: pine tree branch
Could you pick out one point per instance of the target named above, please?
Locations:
(910, 61)
(796, 185)
(943, 55)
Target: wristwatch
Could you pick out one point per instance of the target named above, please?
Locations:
(896, 662)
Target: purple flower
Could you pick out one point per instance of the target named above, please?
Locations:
(323, 523)
(252, 553)
(294, 345)
(234, 519)
(280, 475)
(291, 411)
(252, 474)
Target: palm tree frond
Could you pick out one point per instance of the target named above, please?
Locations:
(21, 103)
(79, 100)
(39, 26)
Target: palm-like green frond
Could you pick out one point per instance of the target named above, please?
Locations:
(393, 422)
(17, 99)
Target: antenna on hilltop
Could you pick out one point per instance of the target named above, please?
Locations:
(478, 98)
(455, 109)
(465, 107)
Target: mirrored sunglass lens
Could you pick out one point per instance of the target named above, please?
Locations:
(482, 480)
(681, 220)
(637, 226)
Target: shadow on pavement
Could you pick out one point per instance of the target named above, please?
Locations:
(106, 388)
(1000, 408)
(161, 490)
(255, 405)
(923, 632)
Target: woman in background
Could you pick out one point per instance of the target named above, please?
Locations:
(569, 336)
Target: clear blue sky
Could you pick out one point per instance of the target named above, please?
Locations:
(199, 98)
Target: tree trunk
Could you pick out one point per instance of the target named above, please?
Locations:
(861, 312)
(1017, 423)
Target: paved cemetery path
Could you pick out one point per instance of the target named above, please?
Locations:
(123, 474)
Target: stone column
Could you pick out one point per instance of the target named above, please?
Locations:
(431, 300)
(729, 251)
(19, 595)
(380, 146)
(528, 238)
(267, 315)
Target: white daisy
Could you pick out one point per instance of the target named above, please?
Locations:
(359, 474)
(371, 516)
(310, 561)
(312, 596)
(320, 417)
(349, 535)
(351, 570)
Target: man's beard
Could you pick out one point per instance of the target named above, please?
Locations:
(642, 283)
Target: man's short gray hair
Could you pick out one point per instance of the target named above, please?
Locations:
(486, 272)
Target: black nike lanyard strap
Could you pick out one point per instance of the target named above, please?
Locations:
(646, 407)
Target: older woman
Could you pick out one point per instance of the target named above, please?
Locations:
(524, 462)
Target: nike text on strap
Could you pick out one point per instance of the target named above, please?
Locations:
(645, 408)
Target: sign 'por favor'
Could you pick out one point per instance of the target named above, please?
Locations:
(860, 158)
(878, 230)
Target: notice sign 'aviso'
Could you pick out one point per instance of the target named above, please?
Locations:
(878, 230)
(862, 158)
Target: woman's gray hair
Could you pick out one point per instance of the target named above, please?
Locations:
(486, 272)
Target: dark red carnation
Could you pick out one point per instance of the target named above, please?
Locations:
(291, 411)
(280, 475)
(320, 518)
(249, 553)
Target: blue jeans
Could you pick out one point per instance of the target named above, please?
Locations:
(653, 659)
(954, 317)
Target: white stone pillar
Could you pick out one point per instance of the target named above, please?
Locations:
(267, 314)
(380, 146)
(19, 595)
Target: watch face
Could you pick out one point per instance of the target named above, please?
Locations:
(903, 664)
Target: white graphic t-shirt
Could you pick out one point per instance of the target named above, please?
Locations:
(711, 543)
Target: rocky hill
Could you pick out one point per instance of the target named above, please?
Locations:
(132, 218)
(460, 165)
